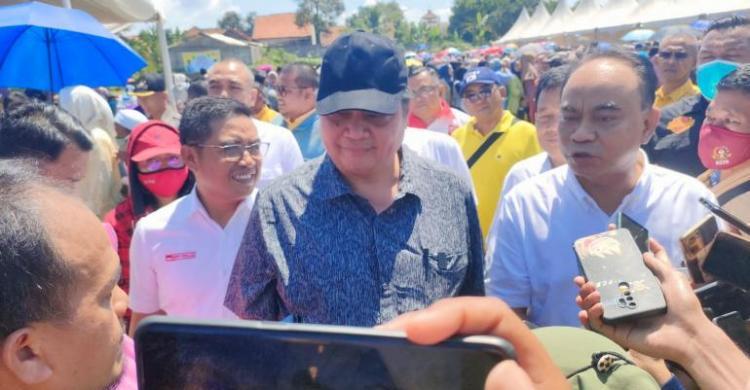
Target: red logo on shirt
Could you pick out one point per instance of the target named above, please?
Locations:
(179, 256)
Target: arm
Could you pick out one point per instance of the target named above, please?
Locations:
(144, 288)
(683, 335)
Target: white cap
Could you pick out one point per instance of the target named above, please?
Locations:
(129, 119)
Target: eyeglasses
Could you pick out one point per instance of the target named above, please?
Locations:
(283, 91)
(483, 94)
(423, 91)
(236, 151)
(678, 55)
(157, 164)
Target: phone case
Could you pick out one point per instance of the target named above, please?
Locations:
(614, 263)
(729, 259)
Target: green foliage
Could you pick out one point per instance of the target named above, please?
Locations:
(230, 21)
(278, 57)
(482, 21)
(146, 43)
(250, 22)
(385, 19)
(321, 14)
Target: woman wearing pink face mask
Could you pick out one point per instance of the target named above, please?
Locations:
(157, 176)
(724, 144)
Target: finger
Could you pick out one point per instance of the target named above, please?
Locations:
(579, 281)
(588, 301)
(508, 376)
(660, 268)
(398, 323)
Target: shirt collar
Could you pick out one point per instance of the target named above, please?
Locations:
(502, 125)
(291, 125)
(445, 113)
(194, 207)
(686, 89)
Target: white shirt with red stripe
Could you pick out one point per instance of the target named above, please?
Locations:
(181, 259)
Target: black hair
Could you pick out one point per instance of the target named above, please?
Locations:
(738, 80)
(417, 70)
(551, 79)
(644, 70)
(14, 99)
(728, 23)
(304, 75)
(40, 130)
(197, 89)
(196, 125)
(35, 282)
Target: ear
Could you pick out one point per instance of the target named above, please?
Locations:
(22, 356)
(253, 94)
(442, 88)
(503, 91)
(310, 93)
(649, 124)
(189, 155)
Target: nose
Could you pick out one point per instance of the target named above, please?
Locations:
(583, 134)
(119, 302)
(247, 159)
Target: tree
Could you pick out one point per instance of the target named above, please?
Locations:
(146, 43)
(497, 16)
(321, 14)
(250, 23)
(230, 21)
(382, 18)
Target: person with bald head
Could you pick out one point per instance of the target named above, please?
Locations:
(231, 78)
(674, 64)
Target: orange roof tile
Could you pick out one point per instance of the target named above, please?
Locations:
(279, 26)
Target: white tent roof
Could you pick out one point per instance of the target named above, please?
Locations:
(559, 20)
(584, 13)
(536, 23)
(520, 23)
(110, 12)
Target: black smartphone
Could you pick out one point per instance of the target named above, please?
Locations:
(613, 261)
(639, 233)
(722, 298)
(725, 215)
(696, 244)
(185, 354)
(736, 328)
(728, 259)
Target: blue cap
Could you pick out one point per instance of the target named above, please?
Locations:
(480, 75)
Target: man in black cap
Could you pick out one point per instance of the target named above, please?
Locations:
(369, 230)
(153, 98)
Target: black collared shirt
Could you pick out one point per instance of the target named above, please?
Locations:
(675, 142)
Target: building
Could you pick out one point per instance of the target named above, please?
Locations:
(281, 31)
(430, 19)
(201, 48)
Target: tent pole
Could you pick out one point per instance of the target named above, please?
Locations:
(166, 63)
(66, 4)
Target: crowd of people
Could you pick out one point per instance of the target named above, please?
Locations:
(437, 199)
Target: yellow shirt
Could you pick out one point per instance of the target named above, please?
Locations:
(267, 114)
(687, 89)
(488, 174)
(291, 125)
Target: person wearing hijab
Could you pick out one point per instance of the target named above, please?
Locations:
(100, 187)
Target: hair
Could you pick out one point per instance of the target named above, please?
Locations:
(647, 79)
(689, 40)
(305, 75)
(417, 70)
(40, 130)
(14, 99)
(738, 80)
(551, 79)
(728, 23)
(201, 113)
(35, 282)
(197, 89)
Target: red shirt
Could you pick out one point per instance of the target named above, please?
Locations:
(445, 113)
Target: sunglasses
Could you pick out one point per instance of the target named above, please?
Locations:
(158, 164)
(483, 94)
(678, 55)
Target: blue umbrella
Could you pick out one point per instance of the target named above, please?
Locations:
(638, 35)
(49, 48)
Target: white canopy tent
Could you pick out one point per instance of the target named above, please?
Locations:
(118, 15)
(521, 21)
(559, 20)
(537, 21)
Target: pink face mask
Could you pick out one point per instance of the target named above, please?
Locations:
(721, 148)
(165, 183)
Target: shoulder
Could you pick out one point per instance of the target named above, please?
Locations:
(681, 108)
(434, 176)
(460, 115)
(165, 216)
(668, 180)
(520, 127)
(298, 181)
(271, 132)
(543, 187)
(531, 166)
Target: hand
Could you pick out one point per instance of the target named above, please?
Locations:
(656, 367)
(486, 316)
(663, 336)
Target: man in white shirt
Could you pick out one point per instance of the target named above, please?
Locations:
(233, 79)
(182, 254)
(440, 148)
(607, 113)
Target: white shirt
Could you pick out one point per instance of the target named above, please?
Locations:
(531, 262)
(181, 259)
(525, 169)
(441, 148)
(283, 155)
(443, 125)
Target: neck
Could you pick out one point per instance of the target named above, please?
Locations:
(220, 210)
(296, 116)
(164, 201)
(556, 160)
(608, 194)
(671, 87)
(485, 124)
(742, 167)
(429, 116)
(379, 189)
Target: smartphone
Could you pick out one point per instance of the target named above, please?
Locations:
(728, 259)
(175, 353)
(639, 233)
(736, 328)
(696, 244)
(722, 298)
(628, 289)
(725, 215)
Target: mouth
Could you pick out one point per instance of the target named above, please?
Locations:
(245, 176)
(582, 156)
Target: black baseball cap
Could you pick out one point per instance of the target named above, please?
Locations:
(149, 84)
(362, 71)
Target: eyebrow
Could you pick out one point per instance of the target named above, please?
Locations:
(608, 106)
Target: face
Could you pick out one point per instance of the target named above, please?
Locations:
(425, 95)
(603, 122)
(294, 100)
(160, 162)
(547, 120)
(731, 110)
(154, 105)
(674, 62)
(220, 173)
(83, 352)
(362, 143)
(232, 80)
(70, 166)
(730, 45)
(484, 101)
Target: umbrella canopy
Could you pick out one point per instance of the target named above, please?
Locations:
(638, 35)
(49, 48)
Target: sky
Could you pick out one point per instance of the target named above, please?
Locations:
(204, 13)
